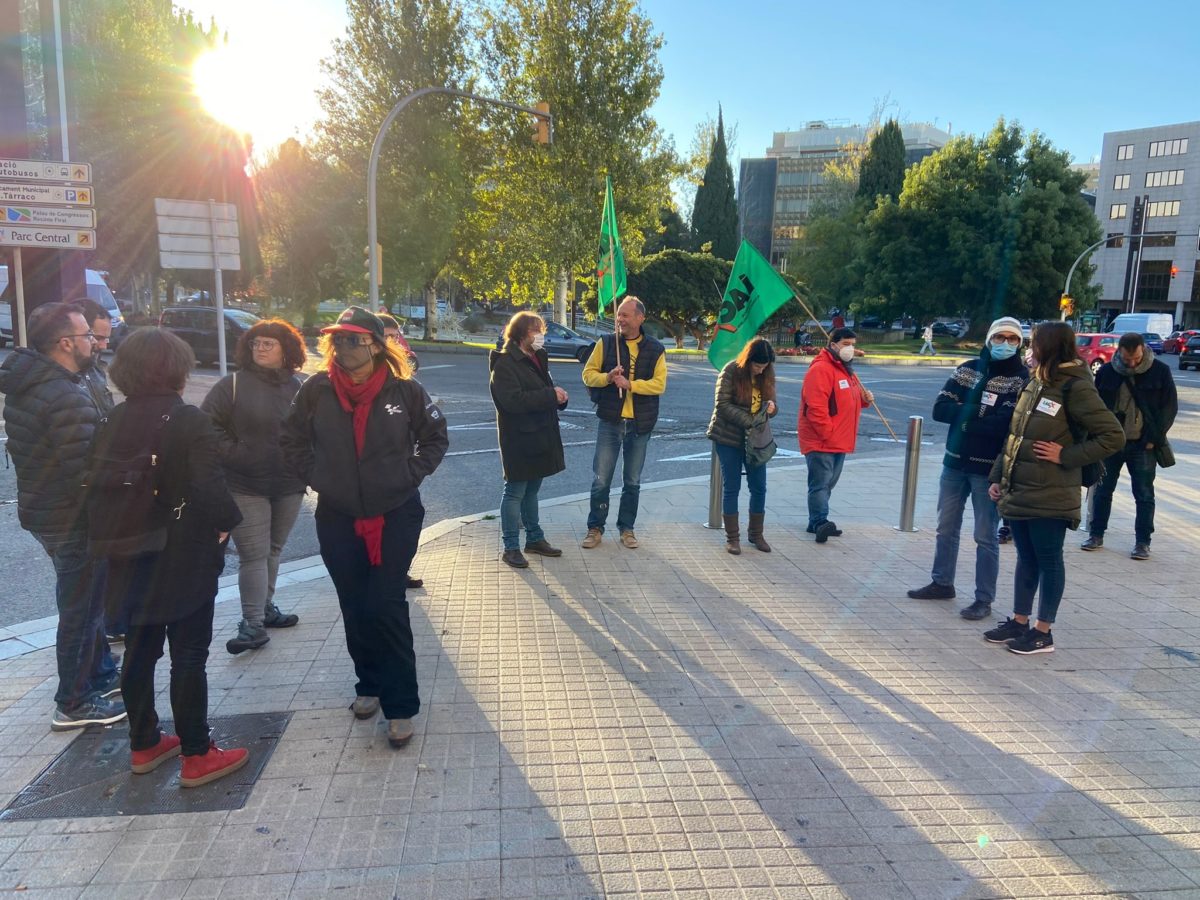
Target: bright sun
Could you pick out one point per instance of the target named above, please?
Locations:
(228, 87)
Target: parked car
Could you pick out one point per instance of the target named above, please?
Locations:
(1177, 340)
(1096, 349)
(1153, 341)
(873, 322)
(1190, 355)
(562, 343)
(197, 325)
(953, 329)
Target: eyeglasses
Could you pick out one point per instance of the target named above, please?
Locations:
(351, 340)
(91, 336)
(1006, 339)
(264, 344)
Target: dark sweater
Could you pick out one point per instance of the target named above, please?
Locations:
(977, 402)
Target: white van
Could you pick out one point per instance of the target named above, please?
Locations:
(1143, 323)
(97, 289)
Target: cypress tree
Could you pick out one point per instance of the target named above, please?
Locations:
(714, 212)
(882, 171)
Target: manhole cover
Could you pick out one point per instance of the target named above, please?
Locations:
(91, 777)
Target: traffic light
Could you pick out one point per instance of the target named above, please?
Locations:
(378, 260)
(1174, 271)
(1066, 303)
(541, 127)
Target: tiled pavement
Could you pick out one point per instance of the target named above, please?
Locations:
(674, 721)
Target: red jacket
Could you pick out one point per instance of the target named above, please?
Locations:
(831, 402)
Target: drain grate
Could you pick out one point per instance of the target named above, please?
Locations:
(91, 777)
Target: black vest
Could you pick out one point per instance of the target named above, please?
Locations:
(609, 402)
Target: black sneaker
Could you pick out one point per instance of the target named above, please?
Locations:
(93, 711)
(977, 610)
(274, 618)
(1094, 542)
(249, 637)
(1007, 630)
(837, 532)
(1003, 534)
(933, 591)
(111, 687)
(115, 637)
(1032, 641)
(1140, 551)
(825, 531)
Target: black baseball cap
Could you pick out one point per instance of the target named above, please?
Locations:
(358, 320)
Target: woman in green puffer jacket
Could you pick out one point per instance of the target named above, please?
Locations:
(1059, 426)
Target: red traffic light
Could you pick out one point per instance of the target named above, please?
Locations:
(1174, 271)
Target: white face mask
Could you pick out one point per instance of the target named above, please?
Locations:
(539, 340)
(846, 352)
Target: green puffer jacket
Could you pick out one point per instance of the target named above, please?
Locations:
(729, 419)
(1032, 488)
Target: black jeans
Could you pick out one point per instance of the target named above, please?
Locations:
(189, 638)
(1142, 466)
(1040, 569)
(374, 611)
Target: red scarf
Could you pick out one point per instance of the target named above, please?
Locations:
(356, 399)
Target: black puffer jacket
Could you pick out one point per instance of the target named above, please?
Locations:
(50, 418)
(730, 420)
(250, 426)
(406, 440)
(526, 414)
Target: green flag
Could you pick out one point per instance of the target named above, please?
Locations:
(610, 261)
(754, 292)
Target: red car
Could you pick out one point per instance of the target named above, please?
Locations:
(1177, 340)
(1096, 349)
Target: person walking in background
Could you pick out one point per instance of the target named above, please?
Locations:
(626, 394)
(1141, 393)
(927, 337)
(977, 402)
(831, 402)
(172, 591)
(1059, 426)
(745, 398)
(364, 435)
(248, 408)
(50, 418)
(527, 404)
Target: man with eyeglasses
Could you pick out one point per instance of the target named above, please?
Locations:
(977, 402)
(50, 417)
(94, 373)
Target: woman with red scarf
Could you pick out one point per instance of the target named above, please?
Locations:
(364, 435)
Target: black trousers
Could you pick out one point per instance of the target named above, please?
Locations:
(374, 610)
(189, 637)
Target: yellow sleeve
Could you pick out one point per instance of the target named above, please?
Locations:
(593, 375)
(655, 385)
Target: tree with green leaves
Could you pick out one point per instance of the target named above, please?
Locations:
(681, 290)
(714, 214)
(882, 170)
(672, 233)
(695, 161)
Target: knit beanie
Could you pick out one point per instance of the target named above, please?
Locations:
(1004, 323)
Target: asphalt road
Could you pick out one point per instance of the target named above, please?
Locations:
(469, 479)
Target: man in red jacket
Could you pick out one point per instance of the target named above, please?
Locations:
(831, 401)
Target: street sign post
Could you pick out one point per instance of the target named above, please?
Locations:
(57, 194)
(46, 170)
(53, 216)
(52, 238)
(195, 234)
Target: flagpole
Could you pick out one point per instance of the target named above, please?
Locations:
(857, 380)
(612, 281)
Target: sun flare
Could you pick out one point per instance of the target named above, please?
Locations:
(227, 86)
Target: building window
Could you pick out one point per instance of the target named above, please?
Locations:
(1116, 240)
(1154, 282)
(1172, 147)
(1162, 208)
(1172, 178)
(1120, 182)
(1125, 151)
(1196, 283)
(1159, 239)
(1117, 211)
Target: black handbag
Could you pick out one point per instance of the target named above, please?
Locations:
(760, 443)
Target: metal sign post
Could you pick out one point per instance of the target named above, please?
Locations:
(19, 337)
(912, 463)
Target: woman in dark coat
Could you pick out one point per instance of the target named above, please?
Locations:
(248, 408)
(527, 404)
(1060, 424)
(171, 592)
(745, 397)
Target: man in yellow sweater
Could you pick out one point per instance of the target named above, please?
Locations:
(626, 392)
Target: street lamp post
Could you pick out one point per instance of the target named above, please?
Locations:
(542, 114)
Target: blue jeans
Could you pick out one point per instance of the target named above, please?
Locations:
(953, 491)
(1142, 468)
(824, 470)
(518, 506)
(613, 438)
(1039, 544)
(733, 460)
(84, 662)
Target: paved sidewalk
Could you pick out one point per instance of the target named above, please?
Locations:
(675, 721)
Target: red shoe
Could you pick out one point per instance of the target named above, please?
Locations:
(210, 766)
(148, 760)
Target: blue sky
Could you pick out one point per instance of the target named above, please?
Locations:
(1073, 70)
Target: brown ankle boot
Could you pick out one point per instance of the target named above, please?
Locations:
(755, 532)
(732, 535)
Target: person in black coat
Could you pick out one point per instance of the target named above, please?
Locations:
(171, 593)
(364, 435)
(1141, 393)
(527, 404)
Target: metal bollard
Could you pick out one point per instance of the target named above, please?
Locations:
(714, 493)
(912, 462)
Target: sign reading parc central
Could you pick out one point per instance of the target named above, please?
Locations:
(55, 238)
(44, 203)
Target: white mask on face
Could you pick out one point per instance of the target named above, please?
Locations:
(846, 352)
(539, 340)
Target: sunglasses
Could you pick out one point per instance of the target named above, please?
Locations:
(351, 340)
